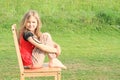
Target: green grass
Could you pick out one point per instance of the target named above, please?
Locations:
(87, 30)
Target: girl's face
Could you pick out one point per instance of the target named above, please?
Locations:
(31, 24)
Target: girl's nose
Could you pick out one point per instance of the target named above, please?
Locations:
(31, 23)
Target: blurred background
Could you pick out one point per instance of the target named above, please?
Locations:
(87, 30)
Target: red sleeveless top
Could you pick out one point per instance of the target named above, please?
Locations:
(26, 49)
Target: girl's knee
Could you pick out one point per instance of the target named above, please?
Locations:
(46, 35)
(46, 39)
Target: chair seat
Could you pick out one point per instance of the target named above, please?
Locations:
(43, 69)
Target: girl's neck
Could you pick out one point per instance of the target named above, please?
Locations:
(31, 31)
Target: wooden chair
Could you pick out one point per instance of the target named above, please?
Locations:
(45, 71)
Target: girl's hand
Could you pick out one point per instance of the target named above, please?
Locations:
(58, 50)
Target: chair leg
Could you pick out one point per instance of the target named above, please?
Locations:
(22, 78)
(59, 76)
(56, 77)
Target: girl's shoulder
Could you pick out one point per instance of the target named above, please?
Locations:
(27, 34)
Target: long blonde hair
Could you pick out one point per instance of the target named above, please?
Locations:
(24, 20)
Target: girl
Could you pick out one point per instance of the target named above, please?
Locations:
(34, 45)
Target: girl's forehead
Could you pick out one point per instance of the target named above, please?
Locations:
(32, 18)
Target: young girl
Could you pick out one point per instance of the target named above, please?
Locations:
(34, 45)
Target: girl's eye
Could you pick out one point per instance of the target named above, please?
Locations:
(33, 22)
(28, 21)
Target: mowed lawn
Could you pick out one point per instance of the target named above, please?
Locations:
(87, 30)
(88, 57)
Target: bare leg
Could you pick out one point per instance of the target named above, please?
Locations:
(54, 62)
(37, 58)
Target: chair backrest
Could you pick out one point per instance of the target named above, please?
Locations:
(14, 31)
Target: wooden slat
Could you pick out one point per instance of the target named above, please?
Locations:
(42, 74)
(44, 69)
(17, 48)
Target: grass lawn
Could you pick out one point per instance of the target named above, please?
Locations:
(87, 31)
(88, 57)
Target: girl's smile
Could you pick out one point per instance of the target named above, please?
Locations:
(31, 24)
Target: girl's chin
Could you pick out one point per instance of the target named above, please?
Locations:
(32, 30)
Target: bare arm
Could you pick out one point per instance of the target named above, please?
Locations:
(42, 47)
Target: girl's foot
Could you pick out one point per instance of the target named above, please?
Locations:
(56, 63)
